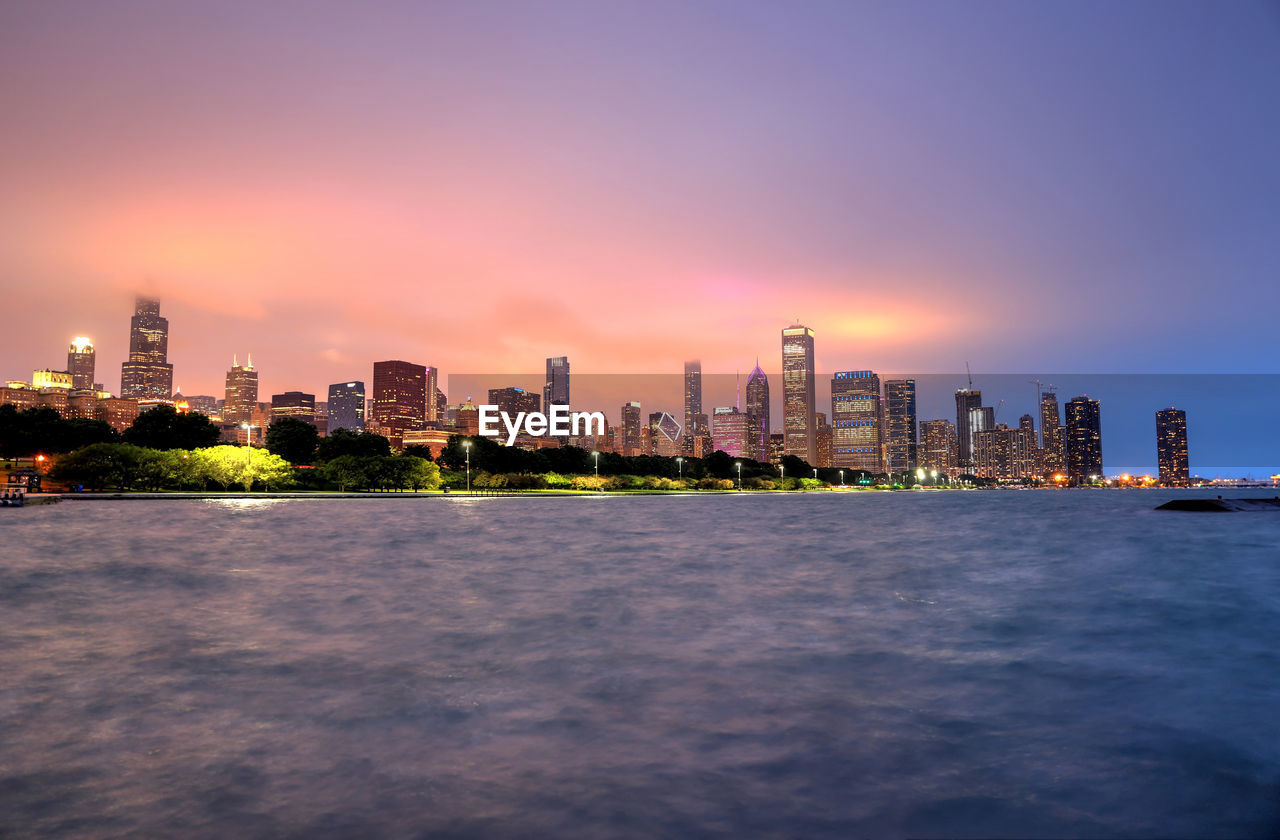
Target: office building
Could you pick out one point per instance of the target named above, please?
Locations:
(80, 363)
(798, 394)
(399, 398)
(695, 422)
(242, 392)
(515, 400)
(1052, 437)
(1005, 454)
(295, 405)
(900, 425)
(967, 402)
(1084, 440)
(1171, 448)
(824, 435)
(664, 435)
(346, 407)
(758, 410)
(938, 446)
(629, 444)
(556, 389)
(857, 421)
(41, 379)
(731, 432)
(147, 375)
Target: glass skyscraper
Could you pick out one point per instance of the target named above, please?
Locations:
(798, 398)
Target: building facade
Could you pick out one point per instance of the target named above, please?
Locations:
(147, 375)
(731, 432)
(900, 425)
(80, 363)
(938, 447)
(1171, 448)
(798, 394)
(556, 389)
(242, 392)
(629, 442)
(758, 409)
(295, 405)
(346, 407)
(399, 398)
(1052, 439)
(1084, 440)
(857, 421)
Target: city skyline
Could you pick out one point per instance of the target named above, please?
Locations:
(900, 183)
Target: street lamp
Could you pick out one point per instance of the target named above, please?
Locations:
(934, 475)
(680, 467)
(596, 457)
(815, 473)
(466, 444)
(842, 478)
(738, 464)
(782, 477)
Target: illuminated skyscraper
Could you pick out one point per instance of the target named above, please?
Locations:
(900, 425)
(431, 395)
(147, 375)
(731, 432)
(857, 421)
(694, 419)
(399, 398)
(1052, 458)
(630, 441)
(295, 405)
(242, 393)
(758, 409)
(1004, 453)
(556, 389)
(515, 400)
(664, 435)
(937, 449)
(824, 438)
(80, 363)
(346, 407)
(1084, 440)
(798, 399)
(967, 401)
(1171, 448)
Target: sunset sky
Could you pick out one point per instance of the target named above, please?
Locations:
(1089, 187)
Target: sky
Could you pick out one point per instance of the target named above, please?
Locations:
(1086, 187)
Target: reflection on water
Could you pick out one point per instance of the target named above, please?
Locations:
(980, 664)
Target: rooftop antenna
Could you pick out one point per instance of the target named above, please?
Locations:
(737, 385)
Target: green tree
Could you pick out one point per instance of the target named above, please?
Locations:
(267, 469)
(422, 474)
(346, 442)
(293, 440)
(347, 471)
(220, 465)
(163, 427)
(99, 466)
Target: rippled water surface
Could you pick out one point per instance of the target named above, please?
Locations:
(1053, 664)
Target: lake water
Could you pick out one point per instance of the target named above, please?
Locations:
(983, 664)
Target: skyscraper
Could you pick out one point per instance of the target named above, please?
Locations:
(694, 419)
(399, 398)
(731, 432)
(147, 375)
(1084, 440)
(967, 400)
(515, 400)
(80, 363)
(1171, 448)
(431, 395)
(295, 405)
(556, 389)
(938, 446)
(1052, 458)
(758, 410)
(346, 407)
(900, 425)
(798, 400)
(242, 393)
(857, 421)
(630, 443)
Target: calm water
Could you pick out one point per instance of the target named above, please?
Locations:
(864, 665)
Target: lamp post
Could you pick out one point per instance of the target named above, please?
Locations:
(466, 444)
(738, 464)
(595, 456)
(815, 473)
(680, 467)
(842, 478)
(782, 470)
(934, 475)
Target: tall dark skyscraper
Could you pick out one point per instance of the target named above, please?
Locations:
(1052, 458)
(1084, 440)
(631, 428)
(147, 375)
(242, 393)
(346, 407)
(798, 394)
(399, 398)
(758, 410)
(295, 405)
(515, 400)
(80, 363)
(967, 401)
(900, 425)
(1171, 448)
(693, 416)
(857, 421)
(556, 389)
